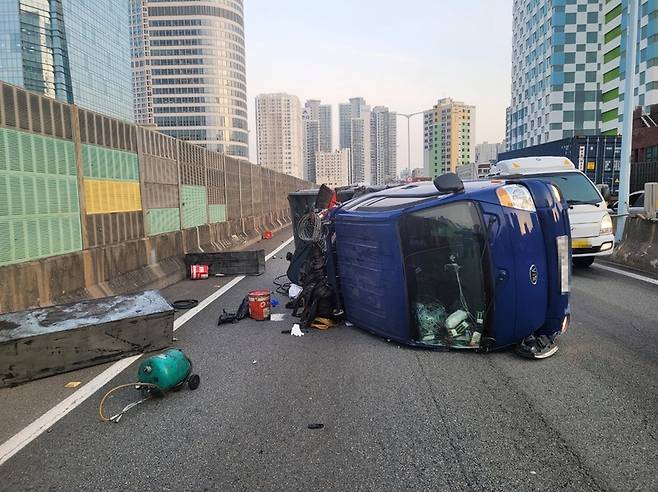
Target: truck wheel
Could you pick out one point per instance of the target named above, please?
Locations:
(583, 261)
(194, 381)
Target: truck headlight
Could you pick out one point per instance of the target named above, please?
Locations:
(563, 263)
(515, 196)
(606, 224)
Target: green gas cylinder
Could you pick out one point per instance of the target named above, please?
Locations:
(168, 370)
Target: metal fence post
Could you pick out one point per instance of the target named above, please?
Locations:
(79, 165)
(180, 191)
(142, 184)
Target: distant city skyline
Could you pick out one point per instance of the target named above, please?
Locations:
(407, 72)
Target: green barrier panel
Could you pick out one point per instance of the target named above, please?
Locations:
(194, 202)
(103, 163)
(217, 213)
(161, 220)
(39, 208)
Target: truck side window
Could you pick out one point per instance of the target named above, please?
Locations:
(443, 250)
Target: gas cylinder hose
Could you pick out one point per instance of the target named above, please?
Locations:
(117, 417)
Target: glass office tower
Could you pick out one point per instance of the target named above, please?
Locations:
(76, 51)
(189, 76)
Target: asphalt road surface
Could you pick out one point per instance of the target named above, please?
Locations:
(394, 418)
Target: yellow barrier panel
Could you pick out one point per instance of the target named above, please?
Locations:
(104, 196)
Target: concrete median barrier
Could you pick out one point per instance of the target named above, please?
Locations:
(639, 246)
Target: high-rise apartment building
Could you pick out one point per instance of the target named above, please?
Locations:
(76, 51)
(613, 68)
(449, 136)
(354, 128)
(383, 145)
(280, 133)
(189, 71)
(556, 57)
(486, 153)
(333, 168)
(317, 134)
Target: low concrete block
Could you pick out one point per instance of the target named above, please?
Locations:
(229, 262)
(52, 340)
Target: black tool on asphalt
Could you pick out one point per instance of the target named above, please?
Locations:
(240, 314)
(315, 426)
(182, 304)
(227, 318)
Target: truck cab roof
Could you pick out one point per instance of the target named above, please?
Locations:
(401, 197)
(532, 165)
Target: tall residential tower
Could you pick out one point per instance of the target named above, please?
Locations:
(383, 145)
(73, 50)
(189, 71)
(317, 134)
(354, 127)
(615, 28)
(556, 54)
(280, 133)
(449, 136)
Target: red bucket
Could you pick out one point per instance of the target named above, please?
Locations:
(198, 272)
(259, 304)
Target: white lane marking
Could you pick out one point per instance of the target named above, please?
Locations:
(43, 423)
(21, 439)
(627, 274)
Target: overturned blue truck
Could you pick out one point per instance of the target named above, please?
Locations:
(446, 264)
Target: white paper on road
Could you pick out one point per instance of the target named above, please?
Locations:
(277, 317)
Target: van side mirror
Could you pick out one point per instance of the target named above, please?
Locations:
(449, 183)
(604, 189)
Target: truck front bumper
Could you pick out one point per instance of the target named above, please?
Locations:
(592, 246)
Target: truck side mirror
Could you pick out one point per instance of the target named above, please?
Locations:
(604, 189)
(449, 183)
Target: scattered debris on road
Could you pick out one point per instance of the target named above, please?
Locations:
(296, 331)
(183, 304)
(156, 376)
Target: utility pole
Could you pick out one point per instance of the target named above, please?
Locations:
(627, 126)
(408, 116)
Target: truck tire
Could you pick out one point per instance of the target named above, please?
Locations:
(583, 261)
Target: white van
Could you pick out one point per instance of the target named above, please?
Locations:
(591, 225)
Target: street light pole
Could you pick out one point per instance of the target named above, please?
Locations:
(408, 116)
(627, 126)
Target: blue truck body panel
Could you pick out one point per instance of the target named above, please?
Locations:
(376, 274)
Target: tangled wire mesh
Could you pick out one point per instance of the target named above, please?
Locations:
(310, 228)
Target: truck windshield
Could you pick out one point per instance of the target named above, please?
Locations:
(575, 187)
(444, 261)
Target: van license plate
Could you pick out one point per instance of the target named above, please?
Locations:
(580, 243)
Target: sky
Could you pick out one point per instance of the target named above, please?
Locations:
(404, 55)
